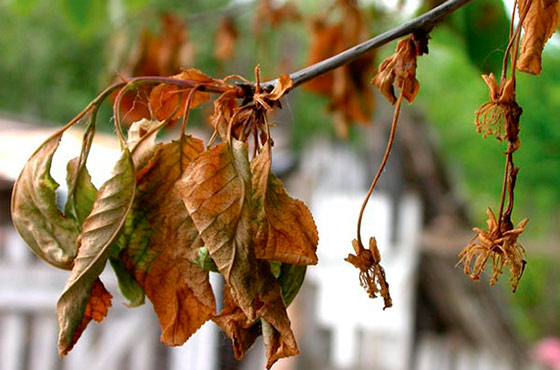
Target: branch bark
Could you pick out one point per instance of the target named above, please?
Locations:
(424, 23)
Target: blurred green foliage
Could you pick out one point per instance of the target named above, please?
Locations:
(55, 57)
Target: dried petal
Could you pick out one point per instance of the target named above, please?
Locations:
(400, 70)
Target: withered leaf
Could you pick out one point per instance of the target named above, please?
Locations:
(399, 69)
(96, 309)
(225, 39)
(347, 87)
(278, 337)
(240, 330)
(168, 99)
(224, 108)
(284, 229)
(539, 25)
(100, 230)
(141, 147)
(216, 189)
(49, 233)
(162, 241)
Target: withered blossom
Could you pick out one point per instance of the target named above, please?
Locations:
(500, 116)
(372, 274)
(501, 246)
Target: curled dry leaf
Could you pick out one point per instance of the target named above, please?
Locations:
(47, 231)
(161, 242)
(284, 229)
(500, 116)
(216, 189)
(274, 322)
(169, 101)
(501, 246)
(372, 274)
(539, 25)
(225, 39)
(99, 231)
(96, 309)
(400, 69)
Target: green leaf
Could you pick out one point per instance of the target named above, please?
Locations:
(81, 191)
(35, 214)
(204, 261)
(486, 34)
(100, 230)
(290, 279)
(128, 286)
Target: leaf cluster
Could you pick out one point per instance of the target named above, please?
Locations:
(172, 212)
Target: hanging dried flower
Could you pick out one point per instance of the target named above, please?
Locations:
(500, 116)
(372, 274)
(501, 246)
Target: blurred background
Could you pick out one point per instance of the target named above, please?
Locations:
(55, 56)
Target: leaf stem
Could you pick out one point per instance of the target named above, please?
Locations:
(381, 166)
(425, 22)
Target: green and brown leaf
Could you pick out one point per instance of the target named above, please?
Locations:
(35, 214)
(161, 242)
(100, 230)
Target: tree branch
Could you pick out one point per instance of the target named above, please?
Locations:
(425, 23)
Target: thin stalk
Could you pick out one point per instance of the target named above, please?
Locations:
(381, 166)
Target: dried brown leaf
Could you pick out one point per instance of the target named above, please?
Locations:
(347, 87)
(539, 25)
(165, 100)
(278, 337)
(235, 324)
(162, 241)
(216, 189)
(225, 40)
(284, 229)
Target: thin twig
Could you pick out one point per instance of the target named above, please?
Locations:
(425, 22)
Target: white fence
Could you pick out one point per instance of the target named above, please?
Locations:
(126, 339)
